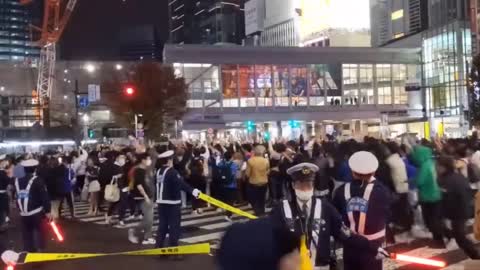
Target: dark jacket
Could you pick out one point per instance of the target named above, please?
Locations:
(38, 195)
(456, 199)
(168, 188)
(54, 181)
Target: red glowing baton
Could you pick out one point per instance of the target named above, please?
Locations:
(417, 260)
(10, 267)
(56, 231)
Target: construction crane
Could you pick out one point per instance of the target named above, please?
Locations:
(56, 15)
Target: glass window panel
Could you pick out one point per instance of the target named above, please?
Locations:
(247, 86)
(263, 80)
(280, 85)
(229, 81)
(298, 85)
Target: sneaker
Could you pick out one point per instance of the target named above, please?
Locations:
(200, 211)
(107, 219)
(229, 219)
(219, 210)
(195, 213)
(7, 219)
(131, 217)
(402, 238)
(121, 223)
(451, 245)
(149, 241)
(131, 236)
(140, 216)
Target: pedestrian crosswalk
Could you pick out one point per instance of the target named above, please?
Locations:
(211, 224)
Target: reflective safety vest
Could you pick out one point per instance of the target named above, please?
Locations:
(161, 187)
(317, 219)
(359, 204)
(23, 198)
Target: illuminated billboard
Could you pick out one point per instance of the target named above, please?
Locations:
(316, 17)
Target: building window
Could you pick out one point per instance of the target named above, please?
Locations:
(397, 14)
(263, 80)
(350, 84)
(399, 79)
(298, 85)
(384, 83)
(246, 86)
(229, 83)
(280, 85)
(366, 85)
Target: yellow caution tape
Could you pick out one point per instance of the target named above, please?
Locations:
(180, 250)
(225, 206)
(305, 262)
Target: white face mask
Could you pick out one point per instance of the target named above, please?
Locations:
(148, 162)
(304, 195)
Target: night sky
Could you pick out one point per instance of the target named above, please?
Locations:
(95, 26)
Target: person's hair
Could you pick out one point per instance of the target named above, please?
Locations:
(238, 156)
(142, 156)
(197, 152)
(393, 147)
(259, 150)
(67, 159)
(227, 155)
(447, 162)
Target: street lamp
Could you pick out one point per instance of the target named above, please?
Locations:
(85, 118)
(118, 67)
(90, 68)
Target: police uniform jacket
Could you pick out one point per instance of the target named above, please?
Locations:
(169, 184)
(329, 224)
(377, 210)
(37, 195)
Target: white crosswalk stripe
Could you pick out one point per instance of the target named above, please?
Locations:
(210, 226)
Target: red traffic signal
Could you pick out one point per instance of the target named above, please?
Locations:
(129, 91)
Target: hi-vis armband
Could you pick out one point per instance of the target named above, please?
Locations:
(225, 206)
(24, 258)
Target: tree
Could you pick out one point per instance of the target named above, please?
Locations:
(159, 96)
(474, 92)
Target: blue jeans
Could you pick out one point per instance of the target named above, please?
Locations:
(169, 219)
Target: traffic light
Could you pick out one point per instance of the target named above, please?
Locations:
(129, 90)
(250, 126)
(266, 136)
(294, 124)
(91, 133)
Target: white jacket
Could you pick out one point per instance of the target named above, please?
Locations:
(399, 173)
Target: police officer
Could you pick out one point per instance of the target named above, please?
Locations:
(34, 206)
(316, 219)
(169, 184)
(4, 182)
(276, 239)
(364, 204)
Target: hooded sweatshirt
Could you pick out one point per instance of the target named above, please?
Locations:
(428, 189)
(398, 172)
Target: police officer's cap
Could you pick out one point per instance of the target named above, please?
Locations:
(29, 163)
(363, 162)
(166, 154)
(304, 171)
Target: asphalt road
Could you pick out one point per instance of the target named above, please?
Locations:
(92, 238)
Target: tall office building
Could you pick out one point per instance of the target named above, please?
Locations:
(206, 22)
(15, 40)
(396, 19)
(316, 23)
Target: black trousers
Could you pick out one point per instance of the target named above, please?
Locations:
(402, 214)
(123, 204)
(69, 198)
(33, 232)
(256, 197)
(459, 233)
(79, 184)
(4, 207)
(169, 219)
(229, 197)
(432, 216)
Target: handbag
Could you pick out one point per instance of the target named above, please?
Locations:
(112, 192)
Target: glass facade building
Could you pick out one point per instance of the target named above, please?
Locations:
(15, 41)
(295, 86)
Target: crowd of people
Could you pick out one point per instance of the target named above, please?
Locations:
(425, 181)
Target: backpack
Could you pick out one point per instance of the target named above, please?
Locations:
(226, 174)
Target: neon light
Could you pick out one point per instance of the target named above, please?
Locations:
(56, 231)
(417, 260)
(35, 143)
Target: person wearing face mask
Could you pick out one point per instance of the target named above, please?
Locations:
(365, 205)
(169, 184)
(316, 219)
(118, 172)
